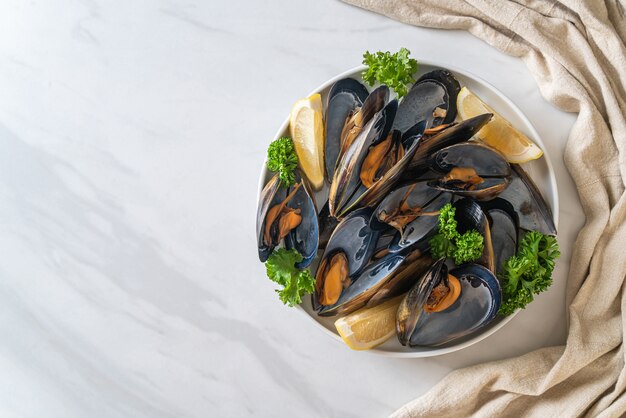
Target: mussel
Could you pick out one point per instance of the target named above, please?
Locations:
(267, 236)
(348, 110)
(442, 137)
(388, 167)
(435, 311)
(289, 214)
(347, 177)
(345, 100)
(534, 213)
(348, 251)
(412, 209)
(403, 278)
(432, 99)
(470, 169)
(304, 238)
(380, 280)
(379, 167)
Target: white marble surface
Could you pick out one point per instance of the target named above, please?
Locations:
(131, 138)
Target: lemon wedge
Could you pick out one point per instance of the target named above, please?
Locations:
(369, 327)
(307, 131)
(498, 133)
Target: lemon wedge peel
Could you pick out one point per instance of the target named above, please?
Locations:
(498, 133)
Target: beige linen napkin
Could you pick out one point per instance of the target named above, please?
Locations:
(576, 52)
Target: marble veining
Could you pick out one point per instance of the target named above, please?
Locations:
(131, 139)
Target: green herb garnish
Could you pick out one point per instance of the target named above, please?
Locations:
(529, 272)
(282, 158)
(296, 283)
(449, 243)
(469, 247)
(394, 70)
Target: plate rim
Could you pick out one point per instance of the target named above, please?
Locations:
(553, 186)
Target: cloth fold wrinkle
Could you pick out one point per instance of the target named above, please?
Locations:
(576, 52)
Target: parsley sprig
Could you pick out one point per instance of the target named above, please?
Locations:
(450, 243)
(280, 267)
(394, 70)
(282, 158)
(529, 272)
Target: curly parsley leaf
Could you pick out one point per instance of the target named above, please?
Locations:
(469, 247)
(440, 246)
(447, 222)
(282, 158)
(280, 267)
(449, 243)
(394, 70)
(529, 272)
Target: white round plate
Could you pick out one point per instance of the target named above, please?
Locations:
(540, 171)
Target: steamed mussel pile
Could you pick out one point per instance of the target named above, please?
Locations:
(390, 166)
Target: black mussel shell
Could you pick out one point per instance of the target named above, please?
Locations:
(533, 211)
(436, 89)
(305, 237)
(271, 195)
(476, 307)
(345, 97)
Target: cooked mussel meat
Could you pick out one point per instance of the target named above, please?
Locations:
(383, 165)
(380, 280)
(380, 174)
(431, 99)
(345, 100)
(412, 306)
(403, 278)
(347, 176)
(272, 207)
(303, 236)
(470, 169)
(349, 249)
(444, 136)
(380, 158)
(358, 119)
(287, 214)
(472, 306)
(412, 209)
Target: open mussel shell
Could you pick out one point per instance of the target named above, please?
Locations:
(534, 213)
(403, 279)
(355, 238)
(305, 237)
(374, 194)
(417, 196)
(378, 281)
(355, 123)
(476, 307)
(364, 286)
(345, 97)
(271, 195)
(454, 134)
(437, 89)
(346, 179)
(504, 226)
(470, 157)
(411, 308)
